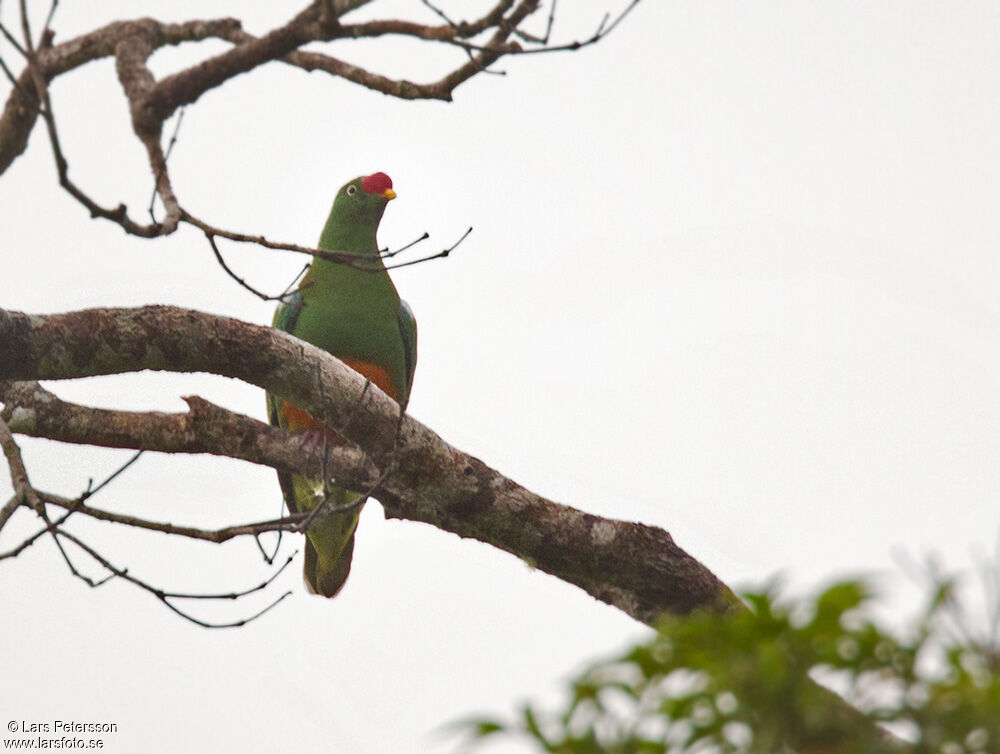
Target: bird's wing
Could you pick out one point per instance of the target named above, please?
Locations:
(408, 331)
(285, 318)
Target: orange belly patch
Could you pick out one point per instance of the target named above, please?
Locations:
(301, 421)
(298, 420)
(378, 375)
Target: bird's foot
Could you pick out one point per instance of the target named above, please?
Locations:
(312, 437)
(314, 441)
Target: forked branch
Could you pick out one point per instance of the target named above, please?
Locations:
(483, 41)
(414, 473)
(27, 496)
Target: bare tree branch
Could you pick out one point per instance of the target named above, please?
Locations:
(137, 80)
(166, 157)
(443, 254)
(119, 214)
(187, 86)
(240, 281)
(24, 493)
(21, 109)
(16, 501)
(152, 102)
(217, 536)
(337, 257)
(13, 41)
(167, 598)
(204, 428)
(8, 509)
(606, 27)
(635, 567)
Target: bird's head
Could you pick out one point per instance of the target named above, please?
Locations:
(363, 200)
(356, 212)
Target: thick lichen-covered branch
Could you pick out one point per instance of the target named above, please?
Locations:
(635, 567)
(205, 428)
(409, 468)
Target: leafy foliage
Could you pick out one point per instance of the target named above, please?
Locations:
(746, 682)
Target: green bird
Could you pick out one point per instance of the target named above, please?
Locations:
(357, 315)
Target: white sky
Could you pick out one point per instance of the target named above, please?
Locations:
(734, 273)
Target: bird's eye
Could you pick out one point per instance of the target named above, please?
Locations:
(352, 190)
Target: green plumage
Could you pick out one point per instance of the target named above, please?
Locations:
(356, 315)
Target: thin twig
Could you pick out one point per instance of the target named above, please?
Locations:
(494, 18)
(291, 285)
(326, 439)
(386, 254)
(355, 261)
(89, 493)
(544, 39)
(439, 13)
(54, 532)
(71, 505)
(323, 510)
(440, 255)
(26, 31)
(48, 20)
(512, 48)
(340, 257)
(162, 595)
(13, 41)
(166, 597)
(9, 74)
(24, 490)
(216, 536)
(15, 551)
(342, 430)
(269, 559)
(222, 263)
(166, 157)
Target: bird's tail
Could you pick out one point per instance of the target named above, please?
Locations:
(329, 542)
